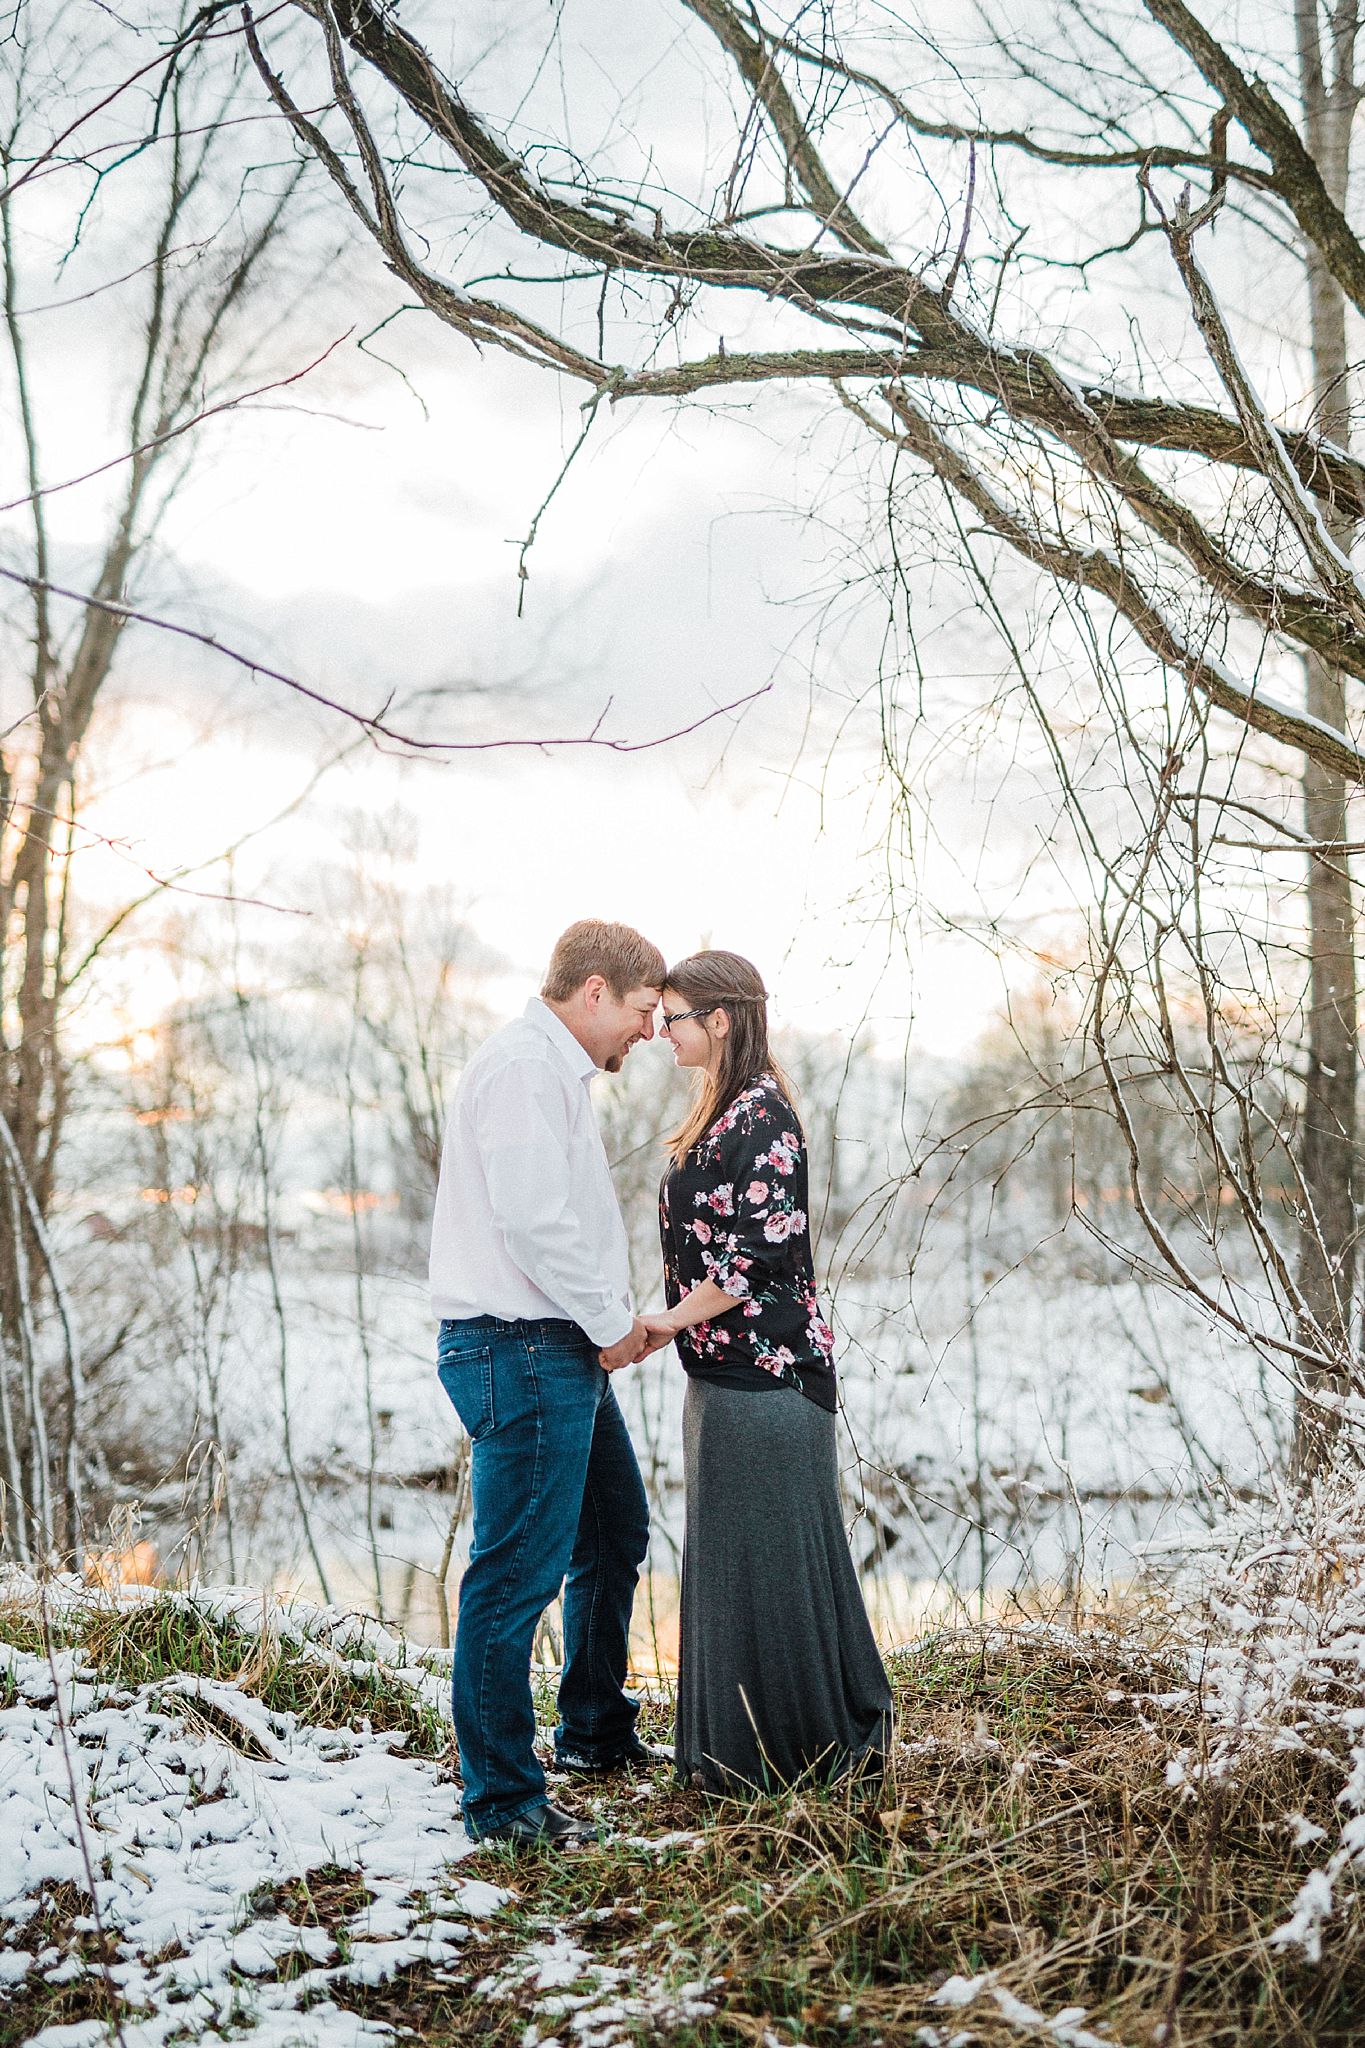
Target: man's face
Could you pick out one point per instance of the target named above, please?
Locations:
(619, 1022)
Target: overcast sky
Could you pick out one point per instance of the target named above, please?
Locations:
(361, 531)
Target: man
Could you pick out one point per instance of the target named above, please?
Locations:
(529, 1276)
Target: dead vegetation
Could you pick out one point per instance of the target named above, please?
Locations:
(1027, 1834)
(64, 1925)
(1064, 1830)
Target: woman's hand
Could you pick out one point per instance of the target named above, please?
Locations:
(704, 1302)
(659, 1330)
(649, 1334)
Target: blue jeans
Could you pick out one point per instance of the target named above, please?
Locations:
(558, 1500)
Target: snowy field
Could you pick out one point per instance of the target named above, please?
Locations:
(1010, 1436)
(173, 1809)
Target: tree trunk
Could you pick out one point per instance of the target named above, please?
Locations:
(1327, 1259)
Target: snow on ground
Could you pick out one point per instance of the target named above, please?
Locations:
(1064, 2026)
(170, 1808)
(176, 1826)
(599, 2002)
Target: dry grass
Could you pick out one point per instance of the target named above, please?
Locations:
(1026, 1828)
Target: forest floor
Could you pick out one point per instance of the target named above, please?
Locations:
(219, 1820)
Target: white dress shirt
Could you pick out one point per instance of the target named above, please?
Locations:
(527, 1223)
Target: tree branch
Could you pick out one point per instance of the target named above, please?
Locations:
(1011, 377)
(1297, 177)
(1093, 569)
(759, 71)
(1331, 566)
(1159, 156)
(376, 725)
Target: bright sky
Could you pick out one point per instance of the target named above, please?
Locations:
(669, 578)
(360, 531)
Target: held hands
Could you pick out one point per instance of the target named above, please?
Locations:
(626, 1350)
(646, 1334)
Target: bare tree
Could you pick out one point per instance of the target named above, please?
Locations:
(956, 261)
(210, 230)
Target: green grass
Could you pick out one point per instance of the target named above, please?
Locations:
(163, 1638)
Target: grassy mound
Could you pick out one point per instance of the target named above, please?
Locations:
(1027, 1844)
(1067, 1848)
(280, 1655)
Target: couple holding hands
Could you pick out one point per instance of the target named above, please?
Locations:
(778, 1672)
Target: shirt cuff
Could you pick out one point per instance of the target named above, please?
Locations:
(610, 1327)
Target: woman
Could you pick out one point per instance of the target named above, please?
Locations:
(778, 1672)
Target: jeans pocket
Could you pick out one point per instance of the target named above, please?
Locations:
(467, 1376)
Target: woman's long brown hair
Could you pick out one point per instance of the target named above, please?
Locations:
(724, 981)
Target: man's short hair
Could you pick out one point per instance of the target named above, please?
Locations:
(619, 954)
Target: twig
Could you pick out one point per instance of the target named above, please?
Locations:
(173, 433)
(375, 725)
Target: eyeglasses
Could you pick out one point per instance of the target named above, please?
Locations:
(672, 1017)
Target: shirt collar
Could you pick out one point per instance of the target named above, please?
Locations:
(580, 1063)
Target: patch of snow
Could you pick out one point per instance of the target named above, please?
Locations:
(478, 1898)
(1312, 1909)
(597, 2012)
(183, 1829)
(1064, 2026)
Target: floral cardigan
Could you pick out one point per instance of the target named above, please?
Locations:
(734, 1212)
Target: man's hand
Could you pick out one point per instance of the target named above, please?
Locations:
(661, 1332)
(626, 1350)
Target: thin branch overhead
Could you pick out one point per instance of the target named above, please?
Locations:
(377, 725)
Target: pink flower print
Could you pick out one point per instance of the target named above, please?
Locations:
(753, 1308)
(782, 1154)
(701, 1231)
(821, 1335)
(722, 1199)
(784, 1224)
(756, 1192)
(728, 1273)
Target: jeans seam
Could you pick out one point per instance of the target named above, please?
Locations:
(510, 1580)
(594, 1605)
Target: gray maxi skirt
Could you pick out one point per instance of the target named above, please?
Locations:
(778, 1672)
